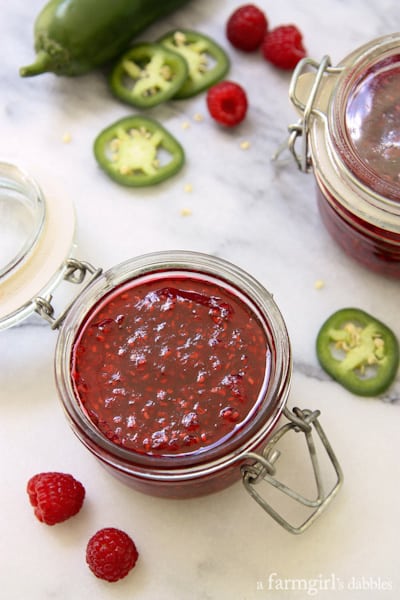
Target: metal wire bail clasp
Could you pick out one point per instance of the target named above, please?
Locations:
(305, 108)
(74, 271)
(262, 467)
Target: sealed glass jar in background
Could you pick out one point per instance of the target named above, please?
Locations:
(350, 137)
(173, 368)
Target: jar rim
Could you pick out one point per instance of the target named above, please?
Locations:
(184, 466)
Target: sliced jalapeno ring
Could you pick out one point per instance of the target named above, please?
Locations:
(358, 351)
(207, 61)
(137, 151)
(148, 74)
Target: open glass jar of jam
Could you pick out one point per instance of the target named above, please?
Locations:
(350, 136)
(174, 371)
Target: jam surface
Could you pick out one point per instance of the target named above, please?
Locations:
(373, 126)
(170, 365)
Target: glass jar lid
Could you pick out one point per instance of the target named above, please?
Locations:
(36, 237)
(22, 215)
(365, 119)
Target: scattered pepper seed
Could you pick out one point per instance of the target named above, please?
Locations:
(66, 138)
(245, 145)
(179, 37)
(198, 117)
(319, 284)
(188, 188)
(185, 125)
(186, 212)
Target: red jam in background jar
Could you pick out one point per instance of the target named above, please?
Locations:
(169, 365)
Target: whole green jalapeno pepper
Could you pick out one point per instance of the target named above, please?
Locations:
(73, 37)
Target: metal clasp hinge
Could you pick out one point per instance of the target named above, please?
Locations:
(75, 271)
(262, 468)
(306, 109)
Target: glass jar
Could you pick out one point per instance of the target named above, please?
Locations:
(350, 132)
(115, 308)
(181, 473)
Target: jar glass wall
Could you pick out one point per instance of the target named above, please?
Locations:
(371, 246)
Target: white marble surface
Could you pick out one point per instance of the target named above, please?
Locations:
(263, 218)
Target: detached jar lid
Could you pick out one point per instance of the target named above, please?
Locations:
(350, 129)
(36, 237)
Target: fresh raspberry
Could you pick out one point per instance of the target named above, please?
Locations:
(227, 103)
(283, 46)
(111, 554)
(55, 496)
(246, 27)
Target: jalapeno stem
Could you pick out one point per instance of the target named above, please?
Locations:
(41, 65)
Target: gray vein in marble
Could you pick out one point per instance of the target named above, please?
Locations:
(391, 396)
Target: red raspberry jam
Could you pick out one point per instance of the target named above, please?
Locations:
(170, 365)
